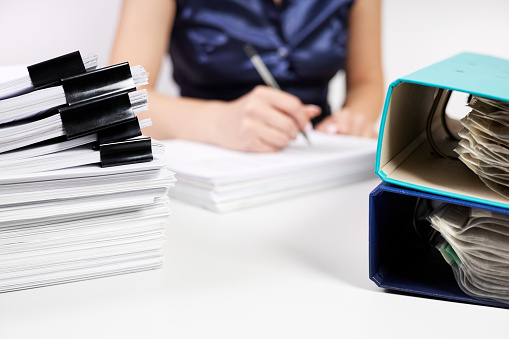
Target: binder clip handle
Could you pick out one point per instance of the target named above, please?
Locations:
(123, 131)
(90, 117)
(126, 152)
(50, 72)
(98, 84)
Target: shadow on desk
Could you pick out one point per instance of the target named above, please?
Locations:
(320, 235)
(331, 234)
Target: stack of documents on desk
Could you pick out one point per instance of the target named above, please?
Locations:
(225, 180)
(81, 223)
(76, 206)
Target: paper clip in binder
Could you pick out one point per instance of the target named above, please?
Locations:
(50, 72)
(126, 152)
(90, 117)
(98, 84)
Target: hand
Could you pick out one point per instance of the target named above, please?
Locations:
(263, 120)
(348, 122)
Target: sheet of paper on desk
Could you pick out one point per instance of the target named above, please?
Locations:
(221, 179)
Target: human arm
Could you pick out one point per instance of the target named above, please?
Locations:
(263, 120)
(364, 80)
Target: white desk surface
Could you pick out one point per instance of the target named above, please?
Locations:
(297, 268)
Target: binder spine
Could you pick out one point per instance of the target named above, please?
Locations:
(98, 84)
(125, 130)
(91, 117)
(50, 72)
(126, 152)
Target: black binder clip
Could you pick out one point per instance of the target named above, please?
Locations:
(91, 117)
(50, 72)
(98, 84)
(126, 152)
(123, 131)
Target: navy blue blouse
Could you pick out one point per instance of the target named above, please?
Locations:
(302, 42)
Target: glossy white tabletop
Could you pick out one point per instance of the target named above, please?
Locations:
(297, 268)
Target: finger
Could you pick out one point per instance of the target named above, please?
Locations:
(358, 125)
(280, 121)
(257, 144)
(259, 147)
(323, 126)
(284, 102)
(362, 126)
(273, 137)
(262, 147)
(343, 121)
(312, 111)
(368, 132)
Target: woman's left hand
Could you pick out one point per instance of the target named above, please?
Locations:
(346, 121)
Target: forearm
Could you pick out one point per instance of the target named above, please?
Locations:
(365, 98)
(143, 38)
(364, 78)
(182, 118)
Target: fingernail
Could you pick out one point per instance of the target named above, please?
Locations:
(309, 127)
(314, 108)
(331, 129)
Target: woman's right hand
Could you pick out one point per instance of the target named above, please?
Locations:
(263, 120)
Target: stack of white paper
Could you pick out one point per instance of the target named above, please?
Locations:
(65, 218)
(224, 180)
(81, 223)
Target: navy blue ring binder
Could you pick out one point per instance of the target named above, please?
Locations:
(126, 152)
(50, 72)
(98, 84)
(398, 259)
(90, 117)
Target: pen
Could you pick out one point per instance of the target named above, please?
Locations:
(265, 74)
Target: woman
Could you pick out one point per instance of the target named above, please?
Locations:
(223, 101)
